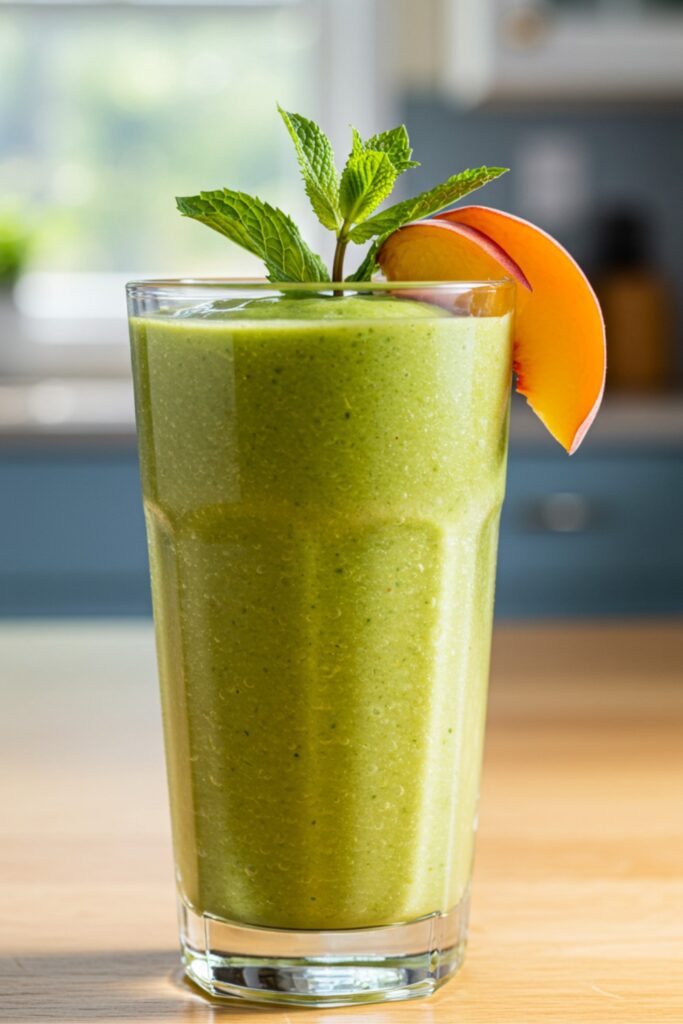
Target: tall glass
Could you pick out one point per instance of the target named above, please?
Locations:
(322, 474)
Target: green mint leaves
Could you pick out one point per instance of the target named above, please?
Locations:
(396, 145)
(367, 180)
(260, 228)
(371, 172)
(344, 204)
(316, 160)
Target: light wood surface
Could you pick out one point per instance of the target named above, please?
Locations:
(578, 893)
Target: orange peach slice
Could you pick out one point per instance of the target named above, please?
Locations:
(559, 354)
(426, 247)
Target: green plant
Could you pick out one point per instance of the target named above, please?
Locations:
(14, 247)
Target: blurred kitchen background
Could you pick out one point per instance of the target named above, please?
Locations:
(108, 110)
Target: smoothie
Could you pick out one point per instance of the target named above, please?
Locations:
(322, 482)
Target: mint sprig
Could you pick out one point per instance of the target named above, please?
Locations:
(344, 204)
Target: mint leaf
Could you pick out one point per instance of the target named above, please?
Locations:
(316, 161)
(396, 145)
(367, 179)
(425, 204)
(261, 229)
(358, 146)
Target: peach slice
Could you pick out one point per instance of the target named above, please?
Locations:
(559, 355)
(560, 351)
(429, 248)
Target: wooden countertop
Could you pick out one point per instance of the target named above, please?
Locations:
(578, 894)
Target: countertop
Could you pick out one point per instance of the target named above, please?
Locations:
(578, 892)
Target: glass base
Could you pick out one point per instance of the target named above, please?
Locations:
(334, 968)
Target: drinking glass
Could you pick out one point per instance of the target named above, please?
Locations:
(322, 472)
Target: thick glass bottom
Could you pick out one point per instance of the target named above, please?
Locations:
(318, 968)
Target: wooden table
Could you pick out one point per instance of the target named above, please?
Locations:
(578, 894)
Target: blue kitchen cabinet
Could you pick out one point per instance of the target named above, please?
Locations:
(72, 533)
(598, 534)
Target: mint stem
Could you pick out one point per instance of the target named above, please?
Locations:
(339, 252)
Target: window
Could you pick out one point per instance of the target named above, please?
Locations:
(108, 111)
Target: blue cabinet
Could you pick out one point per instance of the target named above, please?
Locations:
(72, 533)
(598, 534)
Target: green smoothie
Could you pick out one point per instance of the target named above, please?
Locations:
(322, 481)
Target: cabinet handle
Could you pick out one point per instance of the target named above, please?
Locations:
(561, 512)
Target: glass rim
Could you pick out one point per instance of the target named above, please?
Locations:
(164, 286)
